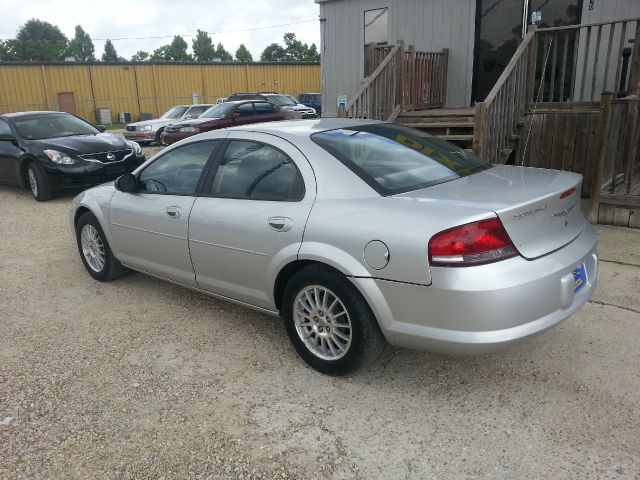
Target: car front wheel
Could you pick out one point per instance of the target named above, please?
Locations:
(37, 182)
(94, 249)
(329, 322)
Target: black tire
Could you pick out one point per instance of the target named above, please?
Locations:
(367, 341)
(158, 134)
(37, 182)
(112, 268)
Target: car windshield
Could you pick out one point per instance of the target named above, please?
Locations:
(218, 111)
(395, 159)
(281, 100)
(40, 127)
(175, 112)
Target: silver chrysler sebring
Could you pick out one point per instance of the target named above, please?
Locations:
(355, 232)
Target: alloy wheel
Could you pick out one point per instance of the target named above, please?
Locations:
(92, 248)
(33, 183)
(322, 322)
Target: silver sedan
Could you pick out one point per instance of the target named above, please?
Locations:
(357, 233)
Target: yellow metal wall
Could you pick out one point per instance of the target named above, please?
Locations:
(139, 88)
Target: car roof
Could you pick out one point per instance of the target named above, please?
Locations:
(296, 129)
(29, 114)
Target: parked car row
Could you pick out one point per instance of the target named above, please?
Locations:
(179, 117)
(52, 151)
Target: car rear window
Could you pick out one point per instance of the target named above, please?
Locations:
(394, 159)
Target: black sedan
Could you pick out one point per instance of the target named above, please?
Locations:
(53, 151)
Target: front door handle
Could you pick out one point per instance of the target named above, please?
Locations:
(280, 224)
(173, 212)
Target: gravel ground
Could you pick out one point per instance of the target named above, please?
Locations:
(144, 379)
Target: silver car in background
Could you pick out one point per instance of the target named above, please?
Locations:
(148, 131)
(355, 232)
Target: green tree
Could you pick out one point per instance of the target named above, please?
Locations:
(81, 47)
(110, 54)
(223, 54)
(297, 51)
(312, 54)
(140, 56)
(243, 55)
(202, 46)
(160, 54)
(6, 53)
(177, 50)
(273, 53)
(39, 41)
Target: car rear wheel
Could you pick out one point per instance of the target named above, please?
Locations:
(94, 249)
(37, 182)
(329, 322)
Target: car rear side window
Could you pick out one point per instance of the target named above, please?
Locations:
(245, 110)
(394, 159)
(255, 171)
(178, 171)
(264, 108)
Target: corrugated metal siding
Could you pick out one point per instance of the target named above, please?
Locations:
(603, 11)
(429, 25)
(139, 88)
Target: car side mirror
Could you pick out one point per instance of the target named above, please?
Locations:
(101, 128)
(126, 182)
(235, 115)
(7, 137)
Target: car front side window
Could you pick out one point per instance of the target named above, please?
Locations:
(178, 171)
(255, 171)
(5, 129)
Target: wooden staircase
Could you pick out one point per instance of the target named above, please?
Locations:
(453, 124)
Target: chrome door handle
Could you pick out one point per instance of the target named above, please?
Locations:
(173, 212)
(280, 224)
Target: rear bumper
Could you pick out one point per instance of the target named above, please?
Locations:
(87, 174)
(480, 309)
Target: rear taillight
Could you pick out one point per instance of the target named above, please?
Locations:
(472, 244)
(567, 193)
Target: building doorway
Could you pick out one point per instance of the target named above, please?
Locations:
(500, 27)
(67, 102)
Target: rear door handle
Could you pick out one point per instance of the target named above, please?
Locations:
(173, 212)
(280, 224)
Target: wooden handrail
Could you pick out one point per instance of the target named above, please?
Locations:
(373, 76)
(510, 66)
(497, 117)
(401, 80)
(583, 25)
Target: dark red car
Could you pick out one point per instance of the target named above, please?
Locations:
(226, 114)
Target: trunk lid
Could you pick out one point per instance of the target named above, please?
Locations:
(527, 201)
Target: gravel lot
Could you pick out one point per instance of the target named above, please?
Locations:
(144, 379)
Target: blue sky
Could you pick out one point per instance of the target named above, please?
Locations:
(146, 18)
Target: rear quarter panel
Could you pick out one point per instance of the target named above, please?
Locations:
(339, 229)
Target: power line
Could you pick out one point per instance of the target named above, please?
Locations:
(157, 37)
